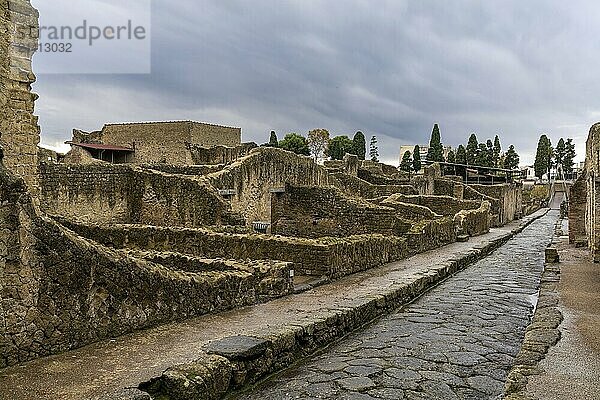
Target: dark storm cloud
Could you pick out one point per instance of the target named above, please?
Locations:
(389, 68)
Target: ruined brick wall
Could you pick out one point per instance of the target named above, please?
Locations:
(164, 142)
(94, 193)
(19, 131)
(333, 257)
(428, 235)
(59, 291)
(441, 205)
(577, 209)
(312, 212)
(219, 154)
(510, 197)
(168, 142)
(251, 179)
(355, 186)
(474, 222)
(209, 135)
(448, 187)
(123, 194)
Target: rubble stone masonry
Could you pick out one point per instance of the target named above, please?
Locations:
(19, 130)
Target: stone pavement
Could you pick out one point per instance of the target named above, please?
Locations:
(110, 365)
(457, 341)
(571, 369)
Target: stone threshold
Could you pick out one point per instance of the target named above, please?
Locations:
(234, 363)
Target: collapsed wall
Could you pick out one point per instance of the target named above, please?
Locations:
(19, 131)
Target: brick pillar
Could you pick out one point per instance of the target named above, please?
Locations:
(20, 133)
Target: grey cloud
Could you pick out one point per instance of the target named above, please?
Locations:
(389, 68)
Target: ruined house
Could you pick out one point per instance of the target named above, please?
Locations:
(174, 142)
(584, 198)
(94, 250)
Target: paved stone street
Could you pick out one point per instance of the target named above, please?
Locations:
(456, 342)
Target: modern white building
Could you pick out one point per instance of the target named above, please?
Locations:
(424, 149)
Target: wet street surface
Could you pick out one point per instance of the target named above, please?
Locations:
(456, 342)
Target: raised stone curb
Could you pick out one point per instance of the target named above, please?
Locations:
(541, 334)
(202, 380)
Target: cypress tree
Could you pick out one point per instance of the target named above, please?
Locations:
(472, 150)
(568, 161)
(417, 159)
(461, 155)
(497, 151)
(273, 142)
(374, 149)
(436, 150)
(360, 145)
(406, 164)
(543, 157)
(511, 158)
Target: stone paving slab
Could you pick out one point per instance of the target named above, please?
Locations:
(457, 341)
(111, 365)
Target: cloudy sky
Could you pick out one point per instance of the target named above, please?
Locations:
(390, 68)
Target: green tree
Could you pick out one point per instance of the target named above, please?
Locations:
(295, 143)
(360, 145)
(497, 151)
(406, 164)
(482, 158)
(559, 154)
(461, 155)
(569, 160)
(511, 158)
(472, 150)
(417, 159)
(273, 142)
(436, 150)
(374, 149)
(451, 157)
(543, 157)
(490, 154)
(318, 139)
(339, 146)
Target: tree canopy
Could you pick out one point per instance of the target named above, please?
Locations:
(318, 140)
(339, 146)
(511, 158)
(273, 142)
(543, 157)
(296, 143)
(360, 145)
(436, 150)
(406, 163)
(417, 159)
(472, 150)
(374, 149)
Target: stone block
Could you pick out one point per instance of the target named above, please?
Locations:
(551, 255)
(238, 348)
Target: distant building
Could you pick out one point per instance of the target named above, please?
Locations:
(424, 149)
(154, 142)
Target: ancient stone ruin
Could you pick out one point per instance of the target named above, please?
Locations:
(584, 198)
(94, 250)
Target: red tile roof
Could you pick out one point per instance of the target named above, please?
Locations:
(99, 146)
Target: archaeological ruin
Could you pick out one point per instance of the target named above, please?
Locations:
(93, 250)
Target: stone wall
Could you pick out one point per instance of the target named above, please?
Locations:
(312, 212)
(19, 131)
(577, 210)
(474, 222)
(108, 193)
(429, 235)
(59, 291)
(442, 205)
(354, 186)
(219, 154)
(332, 257)
(252, 178)
(510, 197)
